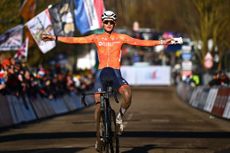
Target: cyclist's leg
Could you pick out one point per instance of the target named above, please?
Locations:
(97, 87)
(126, 93)
(97, 110)
(125, 90)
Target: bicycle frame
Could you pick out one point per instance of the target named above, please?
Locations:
(107, 115)
(106, 121)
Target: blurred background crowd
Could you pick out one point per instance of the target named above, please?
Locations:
(19, 79)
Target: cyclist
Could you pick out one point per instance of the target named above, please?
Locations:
(109, 46)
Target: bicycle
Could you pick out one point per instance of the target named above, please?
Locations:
(107, 128)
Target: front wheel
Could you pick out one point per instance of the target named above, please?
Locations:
(108, 132)
(114, 130)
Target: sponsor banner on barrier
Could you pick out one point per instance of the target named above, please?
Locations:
(147, 75)
(203, 98)
(5, 115)
(227, 109)
(210, 100)
(196, 97)
(221, 101)
(15, 110)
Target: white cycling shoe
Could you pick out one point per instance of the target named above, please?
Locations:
(119, 123)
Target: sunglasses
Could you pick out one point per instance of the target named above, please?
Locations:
(109, 22)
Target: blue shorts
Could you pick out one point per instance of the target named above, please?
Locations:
(120, 81)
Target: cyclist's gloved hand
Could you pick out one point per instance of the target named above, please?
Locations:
(47, 37)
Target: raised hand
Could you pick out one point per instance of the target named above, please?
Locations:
(172, 41)
(178, 40)
(47, 37)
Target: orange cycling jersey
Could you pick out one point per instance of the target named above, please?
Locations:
(108, 46)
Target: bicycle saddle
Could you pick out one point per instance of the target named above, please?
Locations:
(109, 78)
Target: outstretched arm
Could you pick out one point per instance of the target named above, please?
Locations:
(138, 42)
(69, 40)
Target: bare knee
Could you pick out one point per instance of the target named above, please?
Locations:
(125, 90)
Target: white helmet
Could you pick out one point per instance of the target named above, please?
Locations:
(109, 15)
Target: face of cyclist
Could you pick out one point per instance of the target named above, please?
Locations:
(108, 25)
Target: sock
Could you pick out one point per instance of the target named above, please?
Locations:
(122, 110)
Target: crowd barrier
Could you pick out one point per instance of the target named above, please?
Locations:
(215, 100)
(16, 109)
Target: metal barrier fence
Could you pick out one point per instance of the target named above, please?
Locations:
(15, 110)
(215, 100)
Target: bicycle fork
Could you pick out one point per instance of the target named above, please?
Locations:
(105, 108)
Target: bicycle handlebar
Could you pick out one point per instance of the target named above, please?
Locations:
(93, 93)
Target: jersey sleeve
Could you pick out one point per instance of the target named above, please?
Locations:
(138, 42)
(77, 40)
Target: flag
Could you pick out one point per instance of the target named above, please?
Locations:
(41, 24)
(62, 18)
(22, 52)
(27, 9)
(88, 15)
(11, 39)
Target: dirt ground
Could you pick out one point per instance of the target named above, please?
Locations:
(157, 122)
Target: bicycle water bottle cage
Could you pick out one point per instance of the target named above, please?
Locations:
(108, 78)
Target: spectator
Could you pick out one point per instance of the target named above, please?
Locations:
(224, 79)
(196, 79)
(215, 80)
(18, 79)
(219, 79)
(13, 84)
(70, 85)
(3, 77)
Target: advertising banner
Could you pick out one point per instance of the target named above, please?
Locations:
(227, 109)
(210, 99)
(147, 75)
(221, 101)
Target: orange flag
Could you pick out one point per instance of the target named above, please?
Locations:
(27, 9)
(27, 12)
